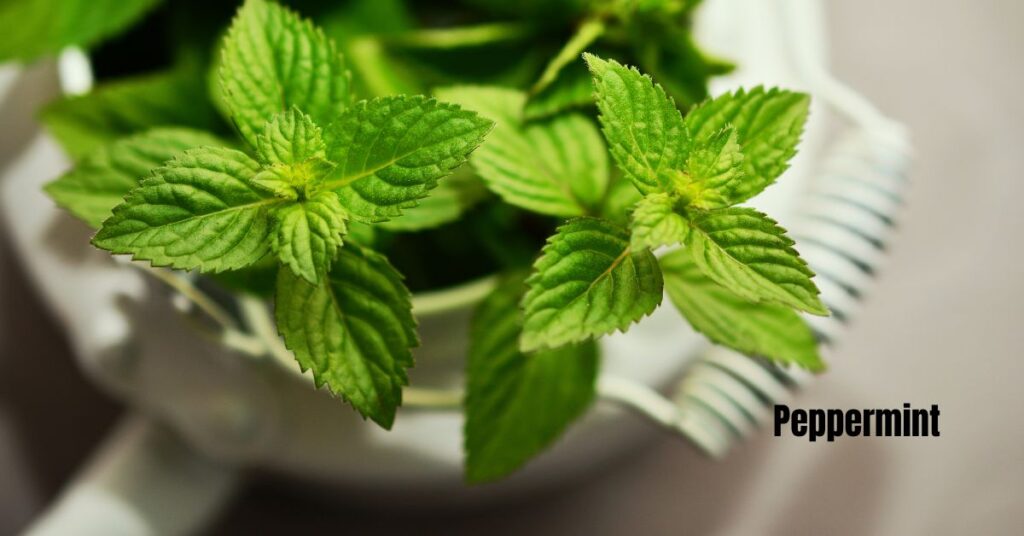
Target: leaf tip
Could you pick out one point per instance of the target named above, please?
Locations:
(595, 63)
(529, 341)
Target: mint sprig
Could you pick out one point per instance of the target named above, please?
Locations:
(594, 277)
(736, 279)
(321, 160)
(725, 150)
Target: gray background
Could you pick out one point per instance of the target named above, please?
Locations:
(943, 327)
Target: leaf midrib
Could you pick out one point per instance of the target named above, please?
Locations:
(263, 202)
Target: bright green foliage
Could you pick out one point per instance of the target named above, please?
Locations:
(36, 27)
(644, 129)
(290, 138)
(715, 171)
(517, 404)
(292, 147)
(557, 167)
(760, 329)
(656, 223)
(307, 234)
(216, 209)
(748, 253)
(273, 60)
(768, 124)
(391, 151)
(103, 178)
(587, 282)
(594, 277)
(323, 177)
(86, 123)
(199, 211)
(354, 330)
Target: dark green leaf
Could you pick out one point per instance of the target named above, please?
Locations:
(517, 404)
(354, 330)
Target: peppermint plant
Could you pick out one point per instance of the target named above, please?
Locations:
(316, 159)
(306, 163)
(736, 277)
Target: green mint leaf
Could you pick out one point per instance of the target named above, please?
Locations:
(83, 124)
(354, 330)
(749, 254)
(716, 172)
(557, 167)
(657, 223)
(768, 125)
(292, 147)
(645, 131)
(273, 60)
(198, 211)
(307, 234)
(572, 89)
(391, 151)
(585, 35)
(760, 329)
(588, 282)
(291, 137)
(446, 203)
(36, 27)
(517, 404)
(101, 180)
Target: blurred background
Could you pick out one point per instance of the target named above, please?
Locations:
(941, 327)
